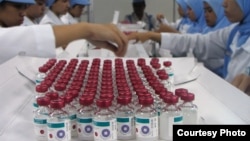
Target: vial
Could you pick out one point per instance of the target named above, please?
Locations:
(170, 115)
(58, 123)
(146, 120)
(40, 116)
(104, 121)
(125, 119)
(85, 119)
(189, 109)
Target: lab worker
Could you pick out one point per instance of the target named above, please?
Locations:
(55, 9)
(196, 15)
(139, 15)
(75, 11)
(34, 12)
(214, 15)
(181, 25)
(231, 43)
(12, 12)
(215, 19)
(42, 40)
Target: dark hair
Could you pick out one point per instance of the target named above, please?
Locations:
(139, 4)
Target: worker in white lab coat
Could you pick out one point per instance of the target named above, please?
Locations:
(12, 12)
(34, 12)
(75, 11)
(41, 40)
(181, 25)
(231, 43)
(55, 9)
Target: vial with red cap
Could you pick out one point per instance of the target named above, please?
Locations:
(40, 76)
(146, 120)
(189, 109)
(125, 119)
(40, 116)
(85, 118)
(169, 69)
(58, 123)
(170, 115)
(40, 89)
(104, 121)
(71, 110)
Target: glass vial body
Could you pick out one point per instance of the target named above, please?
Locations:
(189, 109)
(85, 119)
(170, 115)
(146, 120)
(40, 116)
(104, 121)
(125, 119)
(58, 123)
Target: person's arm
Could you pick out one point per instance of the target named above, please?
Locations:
(166, 28)
(106, 36)
(144, 36)
(242, 82)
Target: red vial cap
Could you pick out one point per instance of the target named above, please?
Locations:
(123, 100)
(167, 63)
(57, 104)
(43, 69)
(179, 91)
(43, 101)
(171, 99)
(103, 103)
(163, 76)
(188, 97)
(52, 95)
(86, 101)
(42, 88)
(60, 86)
(146, 100)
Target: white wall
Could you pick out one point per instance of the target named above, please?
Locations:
(104, 9)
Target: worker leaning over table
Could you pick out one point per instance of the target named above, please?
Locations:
(231, 43)
(41, 40)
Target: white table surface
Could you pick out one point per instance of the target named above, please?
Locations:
(217, 100)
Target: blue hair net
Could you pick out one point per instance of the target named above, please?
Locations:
(21, 1)
(80, 2)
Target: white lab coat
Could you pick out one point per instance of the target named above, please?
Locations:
(27, 40)
(27, 22)
(69, 19)
(211, 46)
(51, 18)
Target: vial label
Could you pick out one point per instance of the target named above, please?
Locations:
(73, 125)
(105, 130)
(59, 131)
(166, 125)
(147, 127)
(35, 105)
(125, 126)
(40, 127)
(85, 128)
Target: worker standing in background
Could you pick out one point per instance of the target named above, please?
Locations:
(139, 15)
(75, 11)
